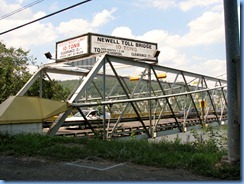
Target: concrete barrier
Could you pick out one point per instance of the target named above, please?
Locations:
(13, 129)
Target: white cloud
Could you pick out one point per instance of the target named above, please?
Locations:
(189, 4)
(29, 35)
(207, 29)
(204, 30)
(74, 27)
(21, 1)
(36, 34)
(206, 67)
(7, 8)
(24, 14)
(32, 68)
(80, 26)
(125, 32)
(164, 38)
(184, 5)
(39, 15)
(39, 33)
(171, 57)
(160, 4)
(103, 17)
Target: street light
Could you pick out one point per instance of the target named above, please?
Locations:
(48, 55)
(156, 53)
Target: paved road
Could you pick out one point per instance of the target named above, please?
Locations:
(39, 169)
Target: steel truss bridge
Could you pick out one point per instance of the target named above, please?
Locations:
(141, 97)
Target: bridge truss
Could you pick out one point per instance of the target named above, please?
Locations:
(133, 93)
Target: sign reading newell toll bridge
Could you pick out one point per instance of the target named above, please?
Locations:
(91, 43)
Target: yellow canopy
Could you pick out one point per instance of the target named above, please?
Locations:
(23, 109)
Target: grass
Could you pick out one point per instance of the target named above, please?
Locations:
(200, 159)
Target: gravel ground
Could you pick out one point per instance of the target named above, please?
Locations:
(39, 169)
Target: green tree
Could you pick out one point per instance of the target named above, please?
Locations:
(14, 74)
(50, 89)
(13, 70)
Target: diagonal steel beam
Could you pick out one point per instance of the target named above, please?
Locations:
(192, 100)
(127, 95)
(88, 79)
(86, 121)
(167, 101)
(209, 95)
(58, 123)
(28, 84)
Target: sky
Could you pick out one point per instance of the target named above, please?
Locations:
(190, 33)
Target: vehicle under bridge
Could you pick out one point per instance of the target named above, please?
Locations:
(140, 96)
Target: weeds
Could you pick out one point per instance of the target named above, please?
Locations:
(210, 138)
(200, 156)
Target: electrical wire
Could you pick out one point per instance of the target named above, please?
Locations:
(44, 17)
(20, 9)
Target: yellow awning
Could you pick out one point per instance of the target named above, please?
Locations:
(23, 109)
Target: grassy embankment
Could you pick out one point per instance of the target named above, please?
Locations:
(200, 156)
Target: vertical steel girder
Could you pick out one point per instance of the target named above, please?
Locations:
(210, 98)
(103, 98)
(129, 92)
(137, 85)
(167, 101)
(100, 94)
(40, 84)
(187, 88)
(223, 94)
(150, 102)
(123, 111)
(132, 104)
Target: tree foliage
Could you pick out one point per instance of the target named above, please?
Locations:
(50, 89)
(14, 74)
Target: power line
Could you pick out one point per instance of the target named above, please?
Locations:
(20, 9)
(44, 17)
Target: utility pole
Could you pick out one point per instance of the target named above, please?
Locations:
(233, 79)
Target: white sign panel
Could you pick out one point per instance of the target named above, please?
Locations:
(73, 47)
(123, 47)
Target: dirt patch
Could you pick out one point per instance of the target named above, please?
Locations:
(40, 169)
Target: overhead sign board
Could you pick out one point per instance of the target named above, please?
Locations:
(72, 48)
(123, 47)
(91, 43)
